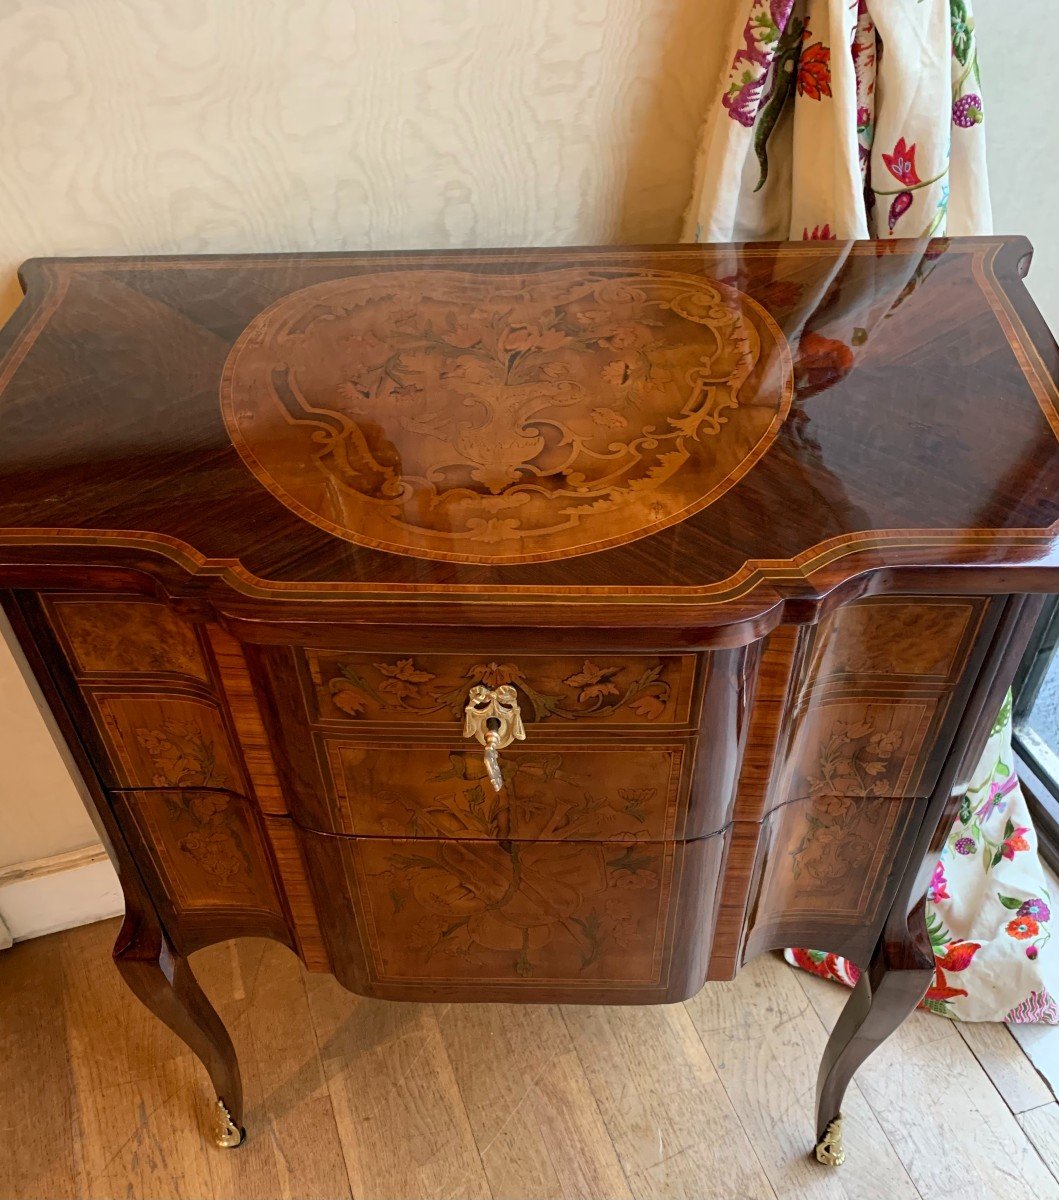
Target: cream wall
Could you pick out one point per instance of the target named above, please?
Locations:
(1022, 137)
(159, 126)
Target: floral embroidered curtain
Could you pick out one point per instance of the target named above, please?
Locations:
(846, 119)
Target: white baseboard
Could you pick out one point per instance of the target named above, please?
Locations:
(55, 893)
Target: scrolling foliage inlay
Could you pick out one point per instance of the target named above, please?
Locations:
(505, 418)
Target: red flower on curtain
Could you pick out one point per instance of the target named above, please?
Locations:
(957, 957)
(902, 163)
(820, 233)
(814, 71)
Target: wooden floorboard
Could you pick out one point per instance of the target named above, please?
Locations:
(355, 1099)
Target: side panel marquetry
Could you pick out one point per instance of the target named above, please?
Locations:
(165, 741)
(919, 639)
(825, 861)
(873, 688)
(483, 920)
(856, 747)
(850, 723)
(207, 852)
(557, 690)
(560, 793)
(159, 698)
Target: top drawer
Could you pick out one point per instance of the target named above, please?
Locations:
(431, 689)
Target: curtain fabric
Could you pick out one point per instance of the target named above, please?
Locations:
(843, 119)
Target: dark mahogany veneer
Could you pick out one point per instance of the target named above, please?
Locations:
(754, 536)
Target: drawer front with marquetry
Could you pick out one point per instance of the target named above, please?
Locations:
(555, 691)
(559, 792)
(482, 920)
(454, 746)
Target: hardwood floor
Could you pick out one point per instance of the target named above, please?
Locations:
(365, 1099)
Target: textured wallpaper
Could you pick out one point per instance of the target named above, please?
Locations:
(222, 125)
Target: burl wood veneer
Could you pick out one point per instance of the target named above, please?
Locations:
(552, 625)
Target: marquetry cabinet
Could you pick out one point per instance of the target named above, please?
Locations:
(529, 626)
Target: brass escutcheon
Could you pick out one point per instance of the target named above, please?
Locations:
(492, 716)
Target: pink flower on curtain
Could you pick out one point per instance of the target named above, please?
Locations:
(938, 884)
(994, 802)
(1014, 841)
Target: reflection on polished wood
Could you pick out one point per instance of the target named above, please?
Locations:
(271, 527)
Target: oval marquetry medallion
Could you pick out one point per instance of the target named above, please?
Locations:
(505, 418)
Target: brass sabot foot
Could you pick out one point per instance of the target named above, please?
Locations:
(228, 1134)
(829, 1148)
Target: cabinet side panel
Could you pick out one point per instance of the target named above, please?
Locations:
(828, 863)
(876, 706)
(851, 719)
(209, 861)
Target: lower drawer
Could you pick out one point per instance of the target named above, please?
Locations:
(573, 921)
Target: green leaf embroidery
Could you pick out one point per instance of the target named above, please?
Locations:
(1003, 716)
(784, 70)
(1009, 901)
(939, 1007)
(962, 31)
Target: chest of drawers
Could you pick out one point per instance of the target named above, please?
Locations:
(557, 626)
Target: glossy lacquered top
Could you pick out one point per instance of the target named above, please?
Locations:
(692, 423)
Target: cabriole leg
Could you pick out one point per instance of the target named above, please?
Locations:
(164, 982)
(895, 981)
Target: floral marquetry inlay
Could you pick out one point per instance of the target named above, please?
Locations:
(620, 793)
(204, 844)
(627, 689)
(505, 418)
(534, 911)
(165, 742)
